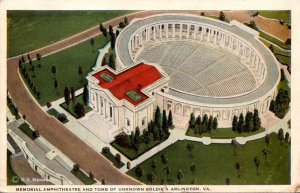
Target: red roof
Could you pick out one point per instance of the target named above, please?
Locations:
(135, 78)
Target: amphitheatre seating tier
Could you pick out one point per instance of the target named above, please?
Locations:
(199, 69)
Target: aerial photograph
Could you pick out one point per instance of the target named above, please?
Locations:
(164, 97)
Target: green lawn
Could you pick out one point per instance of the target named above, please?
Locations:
(223, 133)
(27, 130)
(29, 30)
(131, 154)
(112, 158)
(67, 63)
(275, 40)
(12, 177)
(215, 162)
(280, 15)
(83, 177)
(78, 99)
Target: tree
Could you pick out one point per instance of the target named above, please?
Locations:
(157, 119)
(139, 172)
(222, 16)
(210, 123)
(265, 152)
(267, 140)
(234, 144)
(280, 135)
(121, 24)
(240, 123)
(151, 177)
(179, 176)
(38, 56)
(192, 121)
(85, 94)
(101, 28)
(257, 163)
(112, 64)
(287, 137)
(80, 71)
(193, 169)
(105, 150)
(234, 123)
(55, 84)
(91, 175)
(76, 167)
(79, 110)
(110, 30)
(163, 159)
(215, 123)
(165, 123)
(248, 122)
(167, 171)
(123, 140)
(137, 135)
(227, 181)
(170, 119)
(288, 41)
(67, 96)
(153, 165)
(189, 148)
(104, 60)
(256, 120)
(117, 33)
(113, 41)
(23, 59)
(92, 41)
(73, 95)
(237, 166)
(118, 158)
(53, 70)
(126, 22)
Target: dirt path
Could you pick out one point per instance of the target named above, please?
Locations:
(54, 131)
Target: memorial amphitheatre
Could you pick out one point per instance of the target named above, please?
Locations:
(215, 68)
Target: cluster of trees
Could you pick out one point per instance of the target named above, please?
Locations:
(250, 123)
(206, 125)
(158, 130)
(13, 108)
(283, 138)
(26, 74)
(151, 177)
(280, 105)
(109, 59)
(69, 96)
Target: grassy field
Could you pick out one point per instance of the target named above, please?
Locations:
(280, 15)
(275, 40)
(223, 133)
(67, 63)
(78, 99)
(215, 162)
(29, 30)
(12, 177)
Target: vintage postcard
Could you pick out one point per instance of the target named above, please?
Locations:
(121, 96)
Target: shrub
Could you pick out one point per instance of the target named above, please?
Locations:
(91, 175)
(76, 167)
(35, 134)
(123, 140)
(105, 150)
(79, 110)
(61, 117)
(49, 104)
